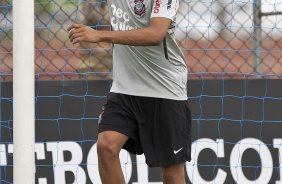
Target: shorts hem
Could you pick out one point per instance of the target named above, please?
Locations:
(114, 129)
(165, 164)
(120, 130)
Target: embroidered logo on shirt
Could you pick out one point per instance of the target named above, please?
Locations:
(139, 8)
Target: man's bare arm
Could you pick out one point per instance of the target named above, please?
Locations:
(149, 36)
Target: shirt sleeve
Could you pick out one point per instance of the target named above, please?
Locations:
(165, 8)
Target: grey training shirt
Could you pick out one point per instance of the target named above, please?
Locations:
(151, 71)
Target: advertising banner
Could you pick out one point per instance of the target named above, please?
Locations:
(237, 133)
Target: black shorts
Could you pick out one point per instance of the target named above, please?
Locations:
(159, 128)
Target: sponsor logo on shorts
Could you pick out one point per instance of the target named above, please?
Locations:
(177, 151)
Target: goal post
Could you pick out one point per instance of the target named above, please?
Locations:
(23, 92)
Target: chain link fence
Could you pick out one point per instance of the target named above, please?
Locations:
(220, 39)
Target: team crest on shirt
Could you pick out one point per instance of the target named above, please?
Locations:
(139, 8)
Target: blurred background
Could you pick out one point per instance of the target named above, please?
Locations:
(220, 39)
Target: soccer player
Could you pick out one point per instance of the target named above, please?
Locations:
(147, 109)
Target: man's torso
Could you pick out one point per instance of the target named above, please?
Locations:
(153, 71)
